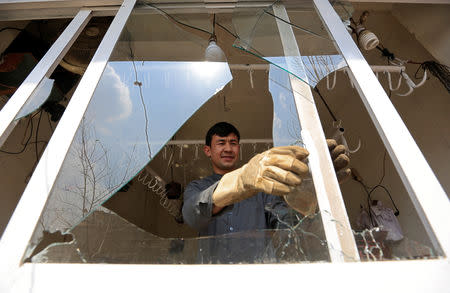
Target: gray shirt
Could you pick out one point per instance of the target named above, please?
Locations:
(255, 214)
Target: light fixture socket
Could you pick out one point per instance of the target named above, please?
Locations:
(213, 52)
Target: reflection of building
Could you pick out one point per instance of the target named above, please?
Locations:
(246, 101)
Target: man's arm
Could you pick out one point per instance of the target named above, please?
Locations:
(198, 207)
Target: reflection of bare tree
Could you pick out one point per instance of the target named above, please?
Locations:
(91, 173)
(318, 67)
(89, 177)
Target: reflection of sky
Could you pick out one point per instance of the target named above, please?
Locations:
(286, 126)
(115, 139)
(37, 98)
(171, 91)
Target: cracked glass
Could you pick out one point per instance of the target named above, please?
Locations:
(142, 222)
(259, 34)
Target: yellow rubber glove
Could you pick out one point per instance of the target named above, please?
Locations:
(279, 171)
(276, 171)
(340, 160)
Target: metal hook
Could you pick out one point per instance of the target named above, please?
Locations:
(390, 81)
(181, 152)
(411, 83)
(349, 77)
(156, 182)
(340, 138)
(334, 81)
(142, 178)
(251, 77)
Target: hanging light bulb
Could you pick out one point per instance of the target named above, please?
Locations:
(366, 39)
(213, 52)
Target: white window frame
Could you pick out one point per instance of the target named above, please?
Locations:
(413, 275)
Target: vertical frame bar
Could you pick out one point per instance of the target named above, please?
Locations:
(24, 220)
(426, 193)
(43, 69)
(341, 243)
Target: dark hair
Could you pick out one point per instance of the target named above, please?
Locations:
(221, 129)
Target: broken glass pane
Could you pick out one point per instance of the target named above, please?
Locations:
(142, 98)
(145, 226)
(105, 237)
(259, 34)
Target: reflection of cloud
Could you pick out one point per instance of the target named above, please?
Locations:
(276, 121)
(282, 99)
(114, 93)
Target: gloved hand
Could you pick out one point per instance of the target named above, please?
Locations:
(276, 171)
(303, 198)
(279, 171)
(340, 160)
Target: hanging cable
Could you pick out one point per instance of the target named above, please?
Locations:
(397, 212)
(326, 104)
(370, 190)
(139, 84)
(176, 20)
(297, 26)
(440, 71)
(36, 136)
(49, 122)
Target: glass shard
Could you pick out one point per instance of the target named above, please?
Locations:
(38, 97)
(259, 34)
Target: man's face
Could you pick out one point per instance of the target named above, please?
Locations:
(224, 153)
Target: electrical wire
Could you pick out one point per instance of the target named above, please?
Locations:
(297, 26)
(36, 136)
(227, 30)
(397, 212)
(369, 199)
(440, 71)
(176, 20)
(49, 122)
(141, 95)
(384, 168)
(209, 33)
(326, 104)
(370, 190)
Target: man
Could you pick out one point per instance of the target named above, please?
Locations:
(241, 199)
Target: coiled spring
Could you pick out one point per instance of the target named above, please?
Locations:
(156, 186)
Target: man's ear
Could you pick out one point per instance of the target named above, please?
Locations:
(207, 151)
